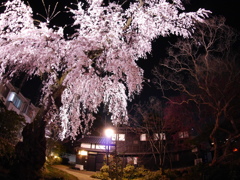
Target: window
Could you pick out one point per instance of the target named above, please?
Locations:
(86, 145)
(118, 137)
(93, 146)
(135, 160)
(143, 137)
(24, 109)
(98, 146)
(13, 97)
(132, 160)
(83, 153)
(159, 136)
(183, 134)
(129, 160)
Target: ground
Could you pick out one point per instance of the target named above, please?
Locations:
(81, 175)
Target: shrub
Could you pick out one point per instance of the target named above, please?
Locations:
(53, 160)
(104, 172)
(130, 172)
(155, 175)
(171, 174)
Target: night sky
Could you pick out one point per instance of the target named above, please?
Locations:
(227, 8)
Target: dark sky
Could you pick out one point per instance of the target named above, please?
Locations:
(227, 8)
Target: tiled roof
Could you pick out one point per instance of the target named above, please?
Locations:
(95, 140)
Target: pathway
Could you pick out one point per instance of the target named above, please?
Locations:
(81, 175)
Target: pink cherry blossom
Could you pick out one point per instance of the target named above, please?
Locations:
(98, 63)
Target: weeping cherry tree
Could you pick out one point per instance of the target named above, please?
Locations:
(97, 64)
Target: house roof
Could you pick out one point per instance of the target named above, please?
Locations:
(95, 140)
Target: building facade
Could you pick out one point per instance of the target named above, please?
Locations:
(93, 151)
(15, 101)
(136, 147)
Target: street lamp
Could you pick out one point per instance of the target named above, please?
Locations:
(108, 133)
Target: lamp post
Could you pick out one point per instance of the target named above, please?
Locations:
(108, 133)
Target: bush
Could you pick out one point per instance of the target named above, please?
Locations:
(171, 174)
(201, 171)
(204, 171)
(155, 175)
(130, 172)
(104, 172)
(53, 160)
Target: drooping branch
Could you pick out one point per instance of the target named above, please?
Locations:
(98, 62)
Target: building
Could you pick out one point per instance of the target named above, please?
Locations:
(14, 100)
(92, 152)
(136, 147)
(129, 146)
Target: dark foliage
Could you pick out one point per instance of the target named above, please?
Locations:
(30, 154)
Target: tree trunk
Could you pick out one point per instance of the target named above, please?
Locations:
(214, 141)
(30, 153)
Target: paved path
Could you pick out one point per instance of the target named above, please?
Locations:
(81, 175)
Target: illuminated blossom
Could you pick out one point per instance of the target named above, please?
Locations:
(98, 63)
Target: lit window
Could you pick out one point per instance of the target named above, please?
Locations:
(101, 147)
(11, 96)
(15, 100)
(119, 137)
(114, 137)
(183, 134)
(132, 160)
(135, 160)
(143, 137)
(85, 145)
(93, 146)
(83, 153)
(159, 136)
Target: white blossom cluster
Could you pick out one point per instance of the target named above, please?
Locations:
(98, 64)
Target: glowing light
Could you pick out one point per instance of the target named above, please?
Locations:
(235, 150)
(109, 132)
(83, 153)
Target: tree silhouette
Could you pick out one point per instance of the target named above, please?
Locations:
(205, 69)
